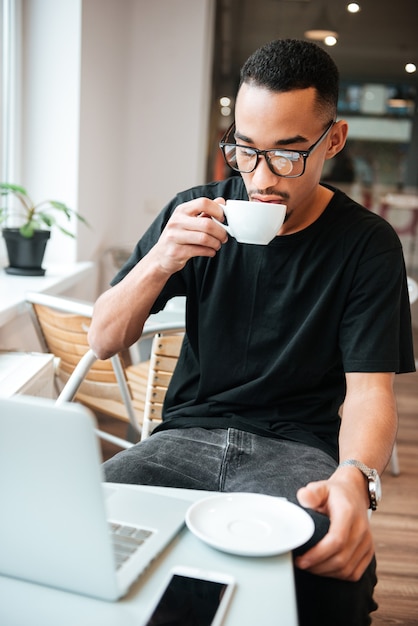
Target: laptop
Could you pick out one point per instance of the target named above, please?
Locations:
(54, 524)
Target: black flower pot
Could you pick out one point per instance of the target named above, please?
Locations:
(25, 254)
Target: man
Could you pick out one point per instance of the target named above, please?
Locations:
(278, 337)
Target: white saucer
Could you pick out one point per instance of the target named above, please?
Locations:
(249, 524)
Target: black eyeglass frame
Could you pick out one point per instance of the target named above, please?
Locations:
(303, 153)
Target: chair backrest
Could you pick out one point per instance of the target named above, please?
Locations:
(70, 390)
(65, 335)
(108, 387)
(62, 324)
(165, 351)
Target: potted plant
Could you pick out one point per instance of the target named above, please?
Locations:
(26, 243)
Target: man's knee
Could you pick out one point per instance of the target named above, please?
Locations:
(332, 602)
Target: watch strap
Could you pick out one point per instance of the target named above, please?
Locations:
(372, 477)
(361, 466)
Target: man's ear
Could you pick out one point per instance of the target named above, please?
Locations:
(337, 138)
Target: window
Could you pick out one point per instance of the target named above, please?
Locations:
(10, 82)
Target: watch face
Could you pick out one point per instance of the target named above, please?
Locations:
(374, 484)
(375, 490)
(378, 489)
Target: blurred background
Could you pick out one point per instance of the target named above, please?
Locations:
(115, 105)
(372, 44)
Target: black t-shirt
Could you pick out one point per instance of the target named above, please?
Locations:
(272, 330)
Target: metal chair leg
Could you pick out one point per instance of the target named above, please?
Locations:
(394, 461)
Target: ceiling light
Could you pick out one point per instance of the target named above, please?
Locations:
(330, 40)
(410, 68)
(225, 101)
(353, 7)
(322, 28)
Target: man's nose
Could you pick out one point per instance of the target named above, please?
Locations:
(262, 176)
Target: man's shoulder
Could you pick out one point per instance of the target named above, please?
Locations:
(364, 228)
(350, 208)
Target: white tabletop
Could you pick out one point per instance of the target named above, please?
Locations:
(17, 369)
(264, 591)
(57, 279)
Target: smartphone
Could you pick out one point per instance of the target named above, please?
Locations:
(192, 597)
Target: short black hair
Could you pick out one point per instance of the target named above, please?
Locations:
(289, 64)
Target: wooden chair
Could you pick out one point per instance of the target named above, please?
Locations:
(165, 350)
(113, 387)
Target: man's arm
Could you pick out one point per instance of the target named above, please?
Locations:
(120, 313)
(368, 431)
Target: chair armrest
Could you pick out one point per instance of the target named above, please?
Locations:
(77, 377)
(151, 328)
(67, 305)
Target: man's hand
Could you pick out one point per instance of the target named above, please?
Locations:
(347, 548)
(190, 233)
(120, 312)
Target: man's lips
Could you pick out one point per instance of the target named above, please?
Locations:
(268, 200)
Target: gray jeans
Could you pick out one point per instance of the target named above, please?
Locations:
(233, 460)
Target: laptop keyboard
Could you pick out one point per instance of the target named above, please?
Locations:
(127, 540)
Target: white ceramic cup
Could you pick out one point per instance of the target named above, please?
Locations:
(252, 222)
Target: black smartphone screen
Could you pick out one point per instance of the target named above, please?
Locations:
(188, 602)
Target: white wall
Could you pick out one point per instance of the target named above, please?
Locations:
(107, 83)
(145, 84)
(50, 108)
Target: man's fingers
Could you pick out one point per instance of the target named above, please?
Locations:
(313, 496)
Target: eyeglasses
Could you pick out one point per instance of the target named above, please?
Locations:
(286, 163)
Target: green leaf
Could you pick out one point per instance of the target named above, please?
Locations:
(82, 219)
(65, 231)
(46, 219)
(10, 188)
(60, 206)
(36, 216)
(27, 230)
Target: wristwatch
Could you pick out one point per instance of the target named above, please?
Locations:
(375, 487)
